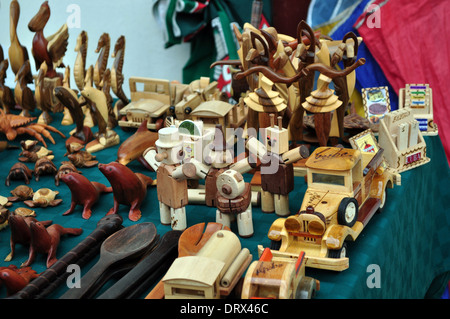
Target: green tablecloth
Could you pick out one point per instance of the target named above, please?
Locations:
(409, 241)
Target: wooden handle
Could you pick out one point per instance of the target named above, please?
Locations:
(158, 261)
(88, 280)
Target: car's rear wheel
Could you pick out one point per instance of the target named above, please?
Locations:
(275, 244)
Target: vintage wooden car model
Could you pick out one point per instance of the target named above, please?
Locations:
(345, 188)
(152, 103)
(268, 278)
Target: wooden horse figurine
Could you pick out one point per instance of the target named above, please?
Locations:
(18, 53)
(51, 49)
(79, 68)
(117, 77)
(23, 95)
(103, 48)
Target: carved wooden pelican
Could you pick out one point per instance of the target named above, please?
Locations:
(23, 95)
(117, 77)
(103, 48)
(79, 69)
(6, 94)
(18, 53)
(51, 49)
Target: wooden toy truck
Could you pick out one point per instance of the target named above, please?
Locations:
(345, 188)
(268, 278)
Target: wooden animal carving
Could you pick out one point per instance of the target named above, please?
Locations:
(129, 188)
(31, 151)
(14, 279)
(43, 95)
(98, 104)
(79, 69)
(20, 232)
(17, 53)
(19, 171)
(7, 101)
(84, 192)
(43, 197)
(49, 49)
(103, 47)
(66, 167)
(134, 146)
(117, 78)
(23, 94)
(83, 134)
(46, 241)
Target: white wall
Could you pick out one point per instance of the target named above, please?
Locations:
(145, 54)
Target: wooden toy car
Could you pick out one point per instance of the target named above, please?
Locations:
(278, 279)
(211, 273)
(151, 104)
(345, 189)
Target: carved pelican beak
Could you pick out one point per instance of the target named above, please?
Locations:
(39, 21)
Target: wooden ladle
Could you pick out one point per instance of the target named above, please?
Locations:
(189, 244)
(126, 243)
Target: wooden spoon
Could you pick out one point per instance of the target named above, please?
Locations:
(126, 243)
(190, 242)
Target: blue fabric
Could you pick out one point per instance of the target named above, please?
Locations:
(323, 11)
(370, 74)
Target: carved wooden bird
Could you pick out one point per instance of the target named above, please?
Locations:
(18, 53)
(6, 94)
(43, 95)
(23, 94)
(50, 49)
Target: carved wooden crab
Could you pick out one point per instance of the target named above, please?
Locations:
(43, 166)
(44, 197)
(12, 125)
(19, 171)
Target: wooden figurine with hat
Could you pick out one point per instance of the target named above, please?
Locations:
(218, 157)
(277, 172)
(171, 175)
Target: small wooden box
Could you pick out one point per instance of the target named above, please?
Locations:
(403, 144)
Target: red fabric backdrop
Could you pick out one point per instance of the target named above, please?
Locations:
(411, 46)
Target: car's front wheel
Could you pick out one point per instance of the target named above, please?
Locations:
(338, 253)
(348, 212)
